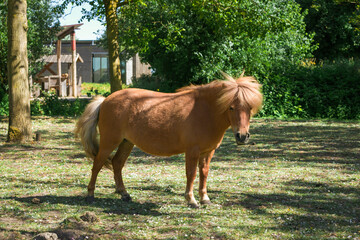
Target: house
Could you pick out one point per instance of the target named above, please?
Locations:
(67, 75)
(95, 66)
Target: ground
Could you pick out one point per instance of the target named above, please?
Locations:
(297, 180)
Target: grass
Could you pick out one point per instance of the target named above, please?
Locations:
(92, 89)
(300, 180)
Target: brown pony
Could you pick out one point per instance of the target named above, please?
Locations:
(192, 121)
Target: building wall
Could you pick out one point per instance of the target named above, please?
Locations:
(139, 67)
(129, 71)
(87, 49)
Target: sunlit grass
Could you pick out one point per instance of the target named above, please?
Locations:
(298, 180)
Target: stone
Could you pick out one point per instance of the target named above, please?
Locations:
(89, 217)
(46, 236)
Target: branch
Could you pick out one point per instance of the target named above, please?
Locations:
(121, 4)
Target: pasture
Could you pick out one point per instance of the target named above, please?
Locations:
(296, 180)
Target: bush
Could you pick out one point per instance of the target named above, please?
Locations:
(280, 100)
(328, 90)
(152, 82)
(52, 105)
(4, 101)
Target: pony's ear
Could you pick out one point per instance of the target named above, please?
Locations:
(227, 77)
(242, 74)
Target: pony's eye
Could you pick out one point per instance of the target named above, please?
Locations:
(231, 108)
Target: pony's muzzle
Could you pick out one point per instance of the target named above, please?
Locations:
(242, 139)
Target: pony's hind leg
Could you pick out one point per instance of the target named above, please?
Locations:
(99, 162)
(118, 163)
(105, 149)
(204, 164)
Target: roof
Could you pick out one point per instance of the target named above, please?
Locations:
(64, 58)
(67, 29)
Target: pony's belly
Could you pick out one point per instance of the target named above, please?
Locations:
(159, 149)
(157, 144)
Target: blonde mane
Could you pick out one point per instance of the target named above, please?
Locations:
(246, 89)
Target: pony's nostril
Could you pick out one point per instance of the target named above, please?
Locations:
(240, 139)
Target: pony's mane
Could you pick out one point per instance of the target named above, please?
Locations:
(246, 89)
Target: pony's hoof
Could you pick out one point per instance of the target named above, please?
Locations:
(206, 202)
(126, 198)
(90, 199)
(193, 205)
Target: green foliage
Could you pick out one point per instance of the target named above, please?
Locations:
(97, 8)
(152, 82)
(52, 105)
(192, 41)
(280, 99)
(336, 24)
(3, 45)
(4, 101)
(329, 90)
(43, 24)
(92, 89)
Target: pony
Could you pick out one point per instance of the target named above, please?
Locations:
(192, 120)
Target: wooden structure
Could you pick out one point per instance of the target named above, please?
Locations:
(62, 85)
(65, 84)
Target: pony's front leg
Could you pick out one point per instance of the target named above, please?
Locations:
(204, 164)
(192, 159)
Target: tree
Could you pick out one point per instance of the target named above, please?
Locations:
(112, 33)
(191, 41)
(43, 24)
(336, 24)
(19, 94)
(107, 9)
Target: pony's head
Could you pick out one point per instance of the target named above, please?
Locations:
(239, 100)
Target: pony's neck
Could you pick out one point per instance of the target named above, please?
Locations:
(211, 94)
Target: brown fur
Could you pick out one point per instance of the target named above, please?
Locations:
(192, 121)
(246, 89)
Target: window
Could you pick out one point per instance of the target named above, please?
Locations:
(100, 68)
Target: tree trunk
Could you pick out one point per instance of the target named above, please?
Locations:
(19, 94)
(112, 33)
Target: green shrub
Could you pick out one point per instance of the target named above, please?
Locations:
(52, 105)
(279, 99)
(152, 82)
(331, 90)
(4, 101)
(328, 90)
(36, 107)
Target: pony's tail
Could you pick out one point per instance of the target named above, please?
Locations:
(86, 127)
